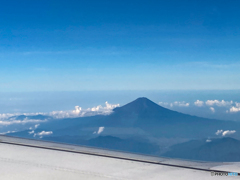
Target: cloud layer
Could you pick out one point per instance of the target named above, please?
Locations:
(229, 105)
(9, 119)
(79, 112)
(176, 103)
(218, 103)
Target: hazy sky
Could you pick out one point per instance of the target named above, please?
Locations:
(119, 45)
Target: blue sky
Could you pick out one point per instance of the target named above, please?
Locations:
(119, 45)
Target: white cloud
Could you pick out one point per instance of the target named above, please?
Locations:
(10, 122)
(79, 112)
(77, 109)
(100, 130)
(36, 126)
(224, 133)
(111, 106)
(9, 119)
(219, 132)
(218, 103)
(199, 103)
(212, 109)
(228, 132)
(208, 140)
(235, 109)
(180, 104)
(44, 133)
(31, 132)
(8, 132)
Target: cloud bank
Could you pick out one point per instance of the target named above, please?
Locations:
(218, 103)
(200, 103)
(79, 112)
(20, 122)
(10, 119)
(229, 105)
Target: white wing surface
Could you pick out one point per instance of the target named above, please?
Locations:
(23, 159)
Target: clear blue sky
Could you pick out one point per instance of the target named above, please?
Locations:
(76, 45)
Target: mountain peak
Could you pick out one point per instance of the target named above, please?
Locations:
(140, 105)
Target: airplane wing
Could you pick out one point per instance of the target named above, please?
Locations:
(23, 159)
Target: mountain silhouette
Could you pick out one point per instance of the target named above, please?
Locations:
(160, 121)
(141, 106)
(145, 115)
(143, 112)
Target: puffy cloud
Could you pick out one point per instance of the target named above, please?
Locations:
(218, 103)
(180, 104)
(224, 133)
(235, 109)
(111, 106)
(219, 132)
(212, 109)
(36, 126)
(31, 132)
(44, 133)
(227, 132)
(199, 103)
(77, 109)
(100, 130)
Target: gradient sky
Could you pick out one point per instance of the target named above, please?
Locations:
(56, 45)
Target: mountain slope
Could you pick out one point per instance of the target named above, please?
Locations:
(110, 142)
(224, 149)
